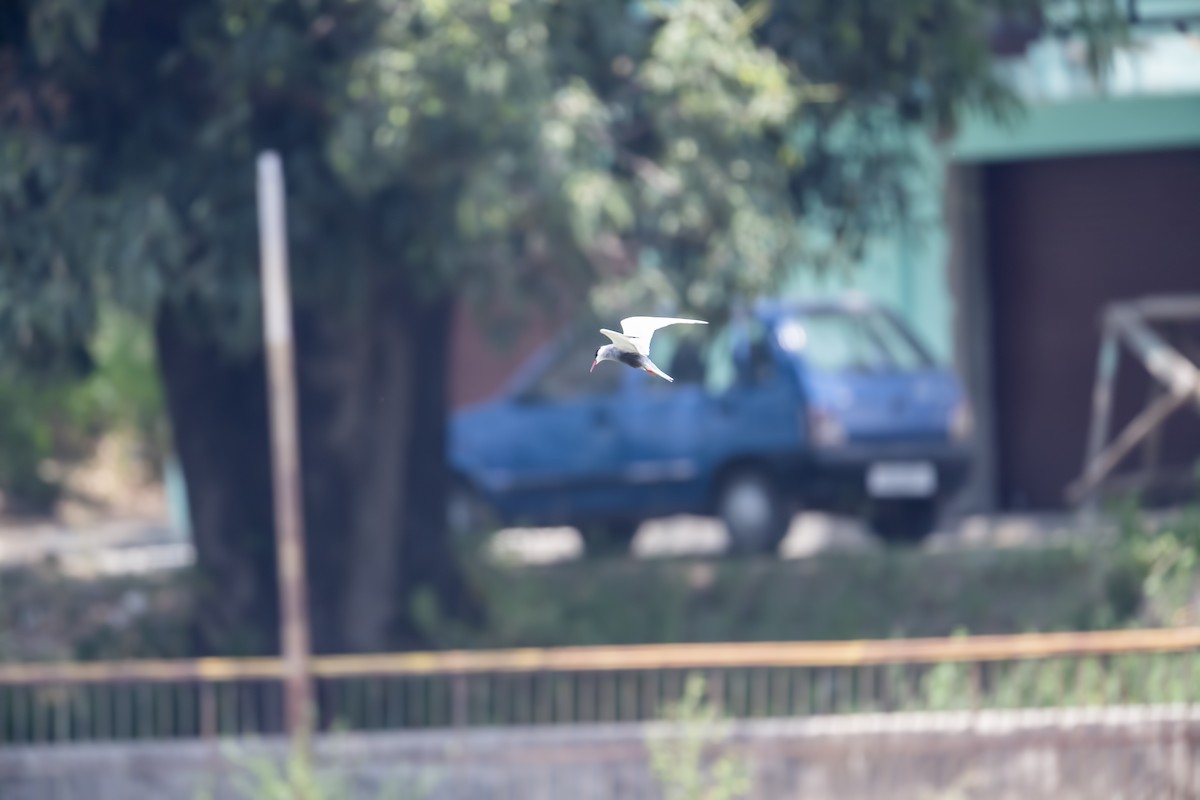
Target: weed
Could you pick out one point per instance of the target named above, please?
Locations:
(1166, 556)
(682, 762)
(266, 777)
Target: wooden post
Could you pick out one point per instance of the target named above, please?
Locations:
(285, 454)
(1102, 393)
(1107, 460)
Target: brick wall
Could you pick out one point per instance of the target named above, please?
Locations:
(480, 364)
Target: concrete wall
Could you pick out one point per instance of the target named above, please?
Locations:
(1065, 754)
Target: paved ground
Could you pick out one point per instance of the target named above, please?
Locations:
(1022, 754)
(111, 548)
(135, 546)
(809, 534)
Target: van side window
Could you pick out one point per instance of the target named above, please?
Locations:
(687, 363)
(752, 354)
(740, 353)
(568, 378)
(679, 352)
(719, 372)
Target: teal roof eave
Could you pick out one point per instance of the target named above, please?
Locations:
(1083, 127)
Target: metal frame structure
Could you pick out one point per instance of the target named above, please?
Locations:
(217, 698)
(1178, 384)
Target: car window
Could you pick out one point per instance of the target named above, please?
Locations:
(719, 372)
(838, 340)
(679, 352)
(904, 350)
(739, 352)
(568, 377)
(752, 352)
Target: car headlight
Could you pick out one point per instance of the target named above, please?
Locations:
(961, 422)
(824, 428)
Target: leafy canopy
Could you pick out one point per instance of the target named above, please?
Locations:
(505, 149)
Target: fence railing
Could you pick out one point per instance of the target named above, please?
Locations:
(45, 703)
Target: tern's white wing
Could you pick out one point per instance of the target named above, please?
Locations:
(620, 340)
(640, 329)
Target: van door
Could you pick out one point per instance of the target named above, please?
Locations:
(662, 427)
(753, 404)
(557, 454)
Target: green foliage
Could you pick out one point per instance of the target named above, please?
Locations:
(1033, 683)
(26, 441)
(548, 169)
(504, 150)
(123, 393)
(1165, 555)
(465, 145)
(919, 63)
(46, 616)
(682, 758)
(843, 596)
(53, 420)
(947, 686)
(46, 292)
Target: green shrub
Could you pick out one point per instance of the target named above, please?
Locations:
(48, 419)
(1166, 557)
(681, 763)
(27, 440)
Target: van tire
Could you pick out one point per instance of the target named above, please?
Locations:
(753, 509)
(469, 518)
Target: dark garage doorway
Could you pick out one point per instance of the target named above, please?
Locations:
(1064, 237)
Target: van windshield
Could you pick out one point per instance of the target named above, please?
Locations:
(863, 341)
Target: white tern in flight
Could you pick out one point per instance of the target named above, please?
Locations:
(632, 346)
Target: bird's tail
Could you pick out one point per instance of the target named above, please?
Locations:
(652, 368)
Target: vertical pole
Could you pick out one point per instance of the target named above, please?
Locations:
(1102, 394)
(285, 453)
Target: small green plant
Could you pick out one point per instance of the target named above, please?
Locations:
(1168, 558)
(296, 778)
(267, 777)
(947, 687)
(681, 759)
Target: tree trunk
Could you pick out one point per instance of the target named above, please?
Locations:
(218, 411)
(372, 395)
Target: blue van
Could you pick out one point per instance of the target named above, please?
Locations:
(832, 406)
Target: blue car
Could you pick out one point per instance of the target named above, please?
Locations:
(832, 406)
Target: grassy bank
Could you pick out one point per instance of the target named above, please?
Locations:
(834, 596)
(1146, 578)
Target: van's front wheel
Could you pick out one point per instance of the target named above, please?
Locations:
(753, 510)
(469, 519)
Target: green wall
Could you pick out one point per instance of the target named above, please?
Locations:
(1084, 127)
(906, 268)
